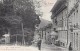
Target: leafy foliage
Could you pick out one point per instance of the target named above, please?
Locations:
(15, 12)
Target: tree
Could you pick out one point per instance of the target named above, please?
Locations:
(15, 12)
(26, 10)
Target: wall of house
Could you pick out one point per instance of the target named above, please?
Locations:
(71, 4)
(44, 34)
(48, 38)
(62, 27)
(74, 22)
(67, 23)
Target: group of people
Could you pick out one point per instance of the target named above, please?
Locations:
(40, 41)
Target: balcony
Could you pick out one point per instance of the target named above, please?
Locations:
(61, 29)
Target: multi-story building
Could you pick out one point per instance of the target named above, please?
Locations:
(47, 33)
(59, 18)
(74, 23)
(65, 17)
(43, 31)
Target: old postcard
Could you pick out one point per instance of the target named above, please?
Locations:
(39, 25)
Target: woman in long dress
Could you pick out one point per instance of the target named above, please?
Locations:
(70, 47)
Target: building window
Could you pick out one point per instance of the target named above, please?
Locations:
(45, 35)
(77, 11)
(77, 40)
(54, 29)
(56, 21)
(74, 13)
(74, 39)
(74, 25)
(63, 44)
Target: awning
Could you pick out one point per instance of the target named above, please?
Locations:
(53, 33)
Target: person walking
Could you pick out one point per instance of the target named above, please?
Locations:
(39, 44)
(70, 47)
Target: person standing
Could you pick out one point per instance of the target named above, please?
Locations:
(39, 44)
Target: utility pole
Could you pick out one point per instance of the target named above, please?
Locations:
(23, 38)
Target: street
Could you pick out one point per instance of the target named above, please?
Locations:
(30, 48)
(17, 48)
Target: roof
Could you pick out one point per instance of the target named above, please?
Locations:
(57, 5)
(43, 23)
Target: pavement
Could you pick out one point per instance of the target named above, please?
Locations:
(46, 47)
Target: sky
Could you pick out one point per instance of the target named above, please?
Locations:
(46, 7)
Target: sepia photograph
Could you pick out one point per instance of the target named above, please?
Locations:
(39, 25)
